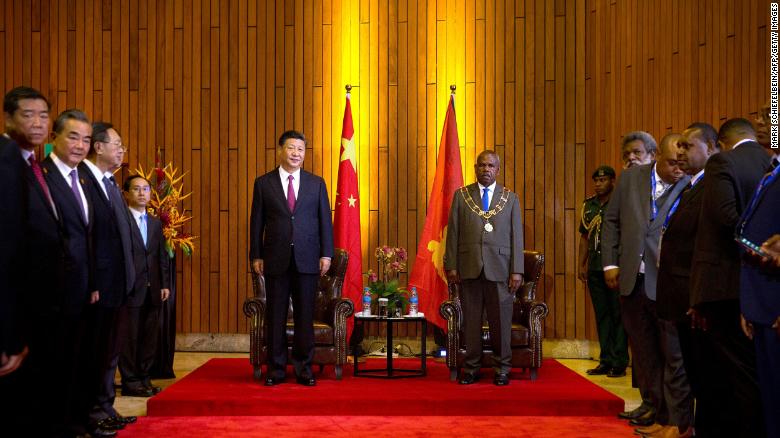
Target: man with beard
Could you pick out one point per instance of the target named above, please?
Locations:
(638, 147)
(629, 250)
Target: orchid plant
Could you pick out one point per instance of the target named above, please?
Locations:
(385, 283)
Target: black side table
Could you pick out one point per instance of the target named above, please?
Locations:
(389, 372)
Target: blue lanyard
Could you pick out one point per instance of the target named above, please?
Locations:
(653, 205)
(677, 204)
(765, 181)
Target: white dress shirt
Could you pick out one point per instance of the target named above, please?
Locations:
(98, 176)
(65, 171)
(491, 189)
(283, 175)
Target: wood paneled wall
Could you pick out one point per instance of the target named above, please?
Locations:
(550, 85)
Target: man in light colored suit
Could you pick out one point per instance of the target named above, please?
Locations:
(629, 251)
(485, 253)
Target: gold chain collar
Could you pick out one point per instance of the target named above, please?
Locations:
(478, 211)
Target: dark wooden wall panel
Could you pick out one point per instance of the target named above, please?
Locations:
(551, 85)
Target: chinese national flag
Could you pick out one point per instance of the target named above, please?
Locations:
(428, 272)
(346, 225)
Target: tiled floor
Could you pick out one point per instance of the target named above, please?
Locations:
(184, 363)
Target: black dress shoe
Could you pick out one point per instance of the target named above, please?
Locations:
(110, 423)
(100, 432)
(272, 381)
(306, 380)
(137, 392)
(501, 379)
(636, 413)
(468, 378)
(646, 419)
(616, 372)
(600, 370)
(124, 420)
(155, 389)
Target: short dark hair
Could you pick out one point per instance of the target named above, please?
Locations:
(736, 126)
(286, 135)
(126, 185)
(69, 114)
(707, 132)
(12, 98)
(99, 133)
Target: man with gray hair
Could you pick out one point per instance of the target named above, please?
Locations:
(638, 147)
(629, 250)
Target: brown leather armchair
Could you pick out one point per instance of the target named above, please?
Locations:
(527, 319)
(330, 319)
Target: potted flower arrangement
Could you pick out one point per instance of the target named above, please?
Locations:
(385, 283)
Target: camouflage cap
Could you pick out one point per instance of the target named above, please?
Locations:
(604, 171)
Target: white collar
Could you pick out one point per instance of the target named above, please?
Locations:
(64, 168)
(697, 177)
(284, 174)
(95, 170)
(744, 140)
(491, 188)
(137, 214)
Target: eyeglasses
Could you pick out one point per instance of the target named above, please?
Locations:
(122, 147)
(144, 189)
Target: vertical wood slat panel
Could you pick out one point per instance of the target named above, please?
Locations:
(212, 84)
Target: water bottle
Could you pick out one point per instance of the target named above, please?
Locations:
(366, 302)
(413, 302)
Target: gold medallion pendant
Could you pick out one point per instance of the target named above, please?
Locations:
(488, 227)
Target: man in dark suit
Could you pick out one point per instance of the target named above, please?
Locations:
(72, 136)
(760, 296)
(698, 143)
(150, 289)
(629, 251)
(760, 284)
(40, 270)
(13, 212)
(114, 270)
(485, 253)
(730, 178)
(291, 242)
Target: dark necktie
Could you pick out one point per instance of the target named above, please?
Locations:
(290, 193)
(36, 168)
(74, 186)
(113, 192)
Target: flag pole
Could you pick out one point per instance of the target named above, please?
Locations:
(348, 88)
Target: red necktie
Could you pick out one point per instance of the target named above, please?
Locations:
(290, 194)
(36, 168)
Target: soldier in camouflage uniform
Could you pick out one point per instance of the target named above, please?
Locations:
(606, 304)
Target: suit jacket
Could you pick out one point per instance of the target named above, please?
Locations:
(13, 215)
(470, 249)
(78, 280)
(760, 287)
(674, 268)
(730, 178)
(152, 264)
(274, 230)
(112, 244)
(628, 235)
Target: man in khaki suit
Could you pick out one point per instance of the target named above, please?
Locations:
(485, 254)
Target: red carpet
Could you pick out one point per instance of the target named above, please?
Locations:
(224, 387)
(428, 426)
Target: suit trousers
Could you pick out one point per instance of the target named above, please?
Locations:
(108, 343)
(641, 323)
(480, 296)
(142, 330)
(302, 288)
(612, 336)
(677, 390)
(706, 387)
(731, 357)
(768, 363)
